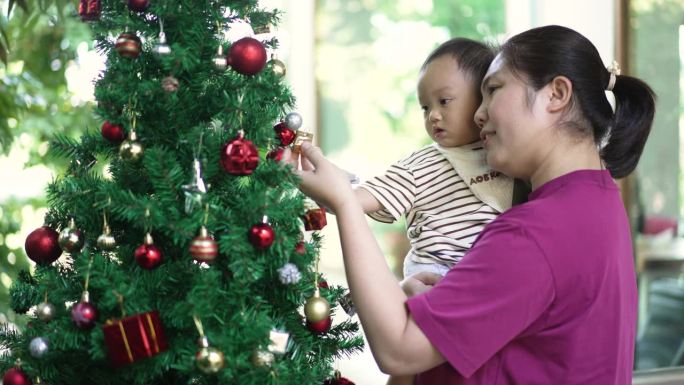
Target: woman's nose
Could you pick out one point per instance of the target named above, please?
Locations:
(480, 116)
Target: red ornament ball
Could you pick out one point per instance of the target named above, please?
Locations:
(148, 256)
(261, 235)
(113, 132)
(128, 45)
(276, 155)
(239, 156)
(247, 56)
(300, 248)
(138, 5)
(16, 376)
(338, 380)
(321, 326)
(286, 136)
(84, 314)
(42, 246)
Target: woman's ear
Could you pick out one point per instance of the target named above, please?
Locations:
(560, 94)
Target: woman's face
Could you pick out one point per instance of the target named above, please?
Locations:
(512, 122)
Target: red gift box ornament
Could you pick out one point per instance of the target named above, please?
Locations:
(89, 9)
(314, 219)
(134, 338)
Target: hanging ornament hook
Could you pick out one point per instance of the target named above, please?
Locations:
(317, 292)
(120, 300)
(198, 325)
(147, 220)
(87, 278)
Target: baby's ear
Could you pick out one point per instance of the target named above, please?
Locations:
(559, 94)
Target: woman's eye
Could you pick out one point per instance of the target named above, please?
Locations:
(491, 89)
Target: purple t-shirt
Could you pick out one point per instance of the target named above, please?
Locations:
(547, 294)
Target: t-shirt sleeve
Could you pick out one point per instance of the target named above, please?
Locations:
(493, 295)
(395, 190)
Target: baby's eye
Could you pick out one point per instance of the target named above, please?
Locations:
(444, 101)
(424, 108)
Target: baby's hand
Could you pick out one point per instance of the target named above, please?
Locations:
(419, 283)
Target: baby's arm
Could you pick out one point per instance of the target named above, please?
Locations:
(367, 201)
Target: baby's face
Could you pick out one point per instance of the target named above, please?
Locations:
(448, 100)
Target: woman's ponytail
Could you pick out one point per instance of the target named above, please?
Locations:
(635, 108)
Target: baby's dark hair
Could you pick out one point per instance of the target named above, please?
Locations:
(539, 55)
(473, 58)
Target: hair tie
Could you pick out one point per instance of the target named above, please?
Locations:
(614, 70)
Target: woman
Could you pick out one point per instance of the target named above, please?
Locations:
(547, 294)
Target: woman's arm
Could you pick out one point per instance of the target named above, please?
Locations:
(398, 344)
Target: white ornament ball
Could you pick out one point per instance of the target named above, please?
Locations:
(38, 347)
(293, 120)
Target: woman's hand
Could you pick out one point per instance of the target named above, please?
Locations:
(419, 283)
(322, 180)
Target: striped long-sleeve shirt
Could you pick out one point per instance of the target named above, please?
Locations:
(442, 214)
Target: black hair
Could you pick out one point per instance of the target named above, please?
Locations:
(473, 58)
(541, 54)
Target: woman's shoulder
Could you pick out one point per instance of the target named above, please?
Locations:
(522, 221)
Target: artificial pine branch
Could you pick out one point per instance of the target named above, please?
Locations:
(239, 296)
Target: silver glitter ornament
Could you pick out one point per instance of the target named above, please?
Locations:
(38, 347)
(289, 274)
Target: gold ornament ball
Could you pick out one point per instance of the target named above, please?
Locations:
(70, 240)
(278, 67)
(131, 151)
(209, 360)
(316, 309)
(45, 311)
(262, 358)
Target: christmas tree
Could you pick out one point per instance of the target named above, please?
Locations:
(177, 249)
